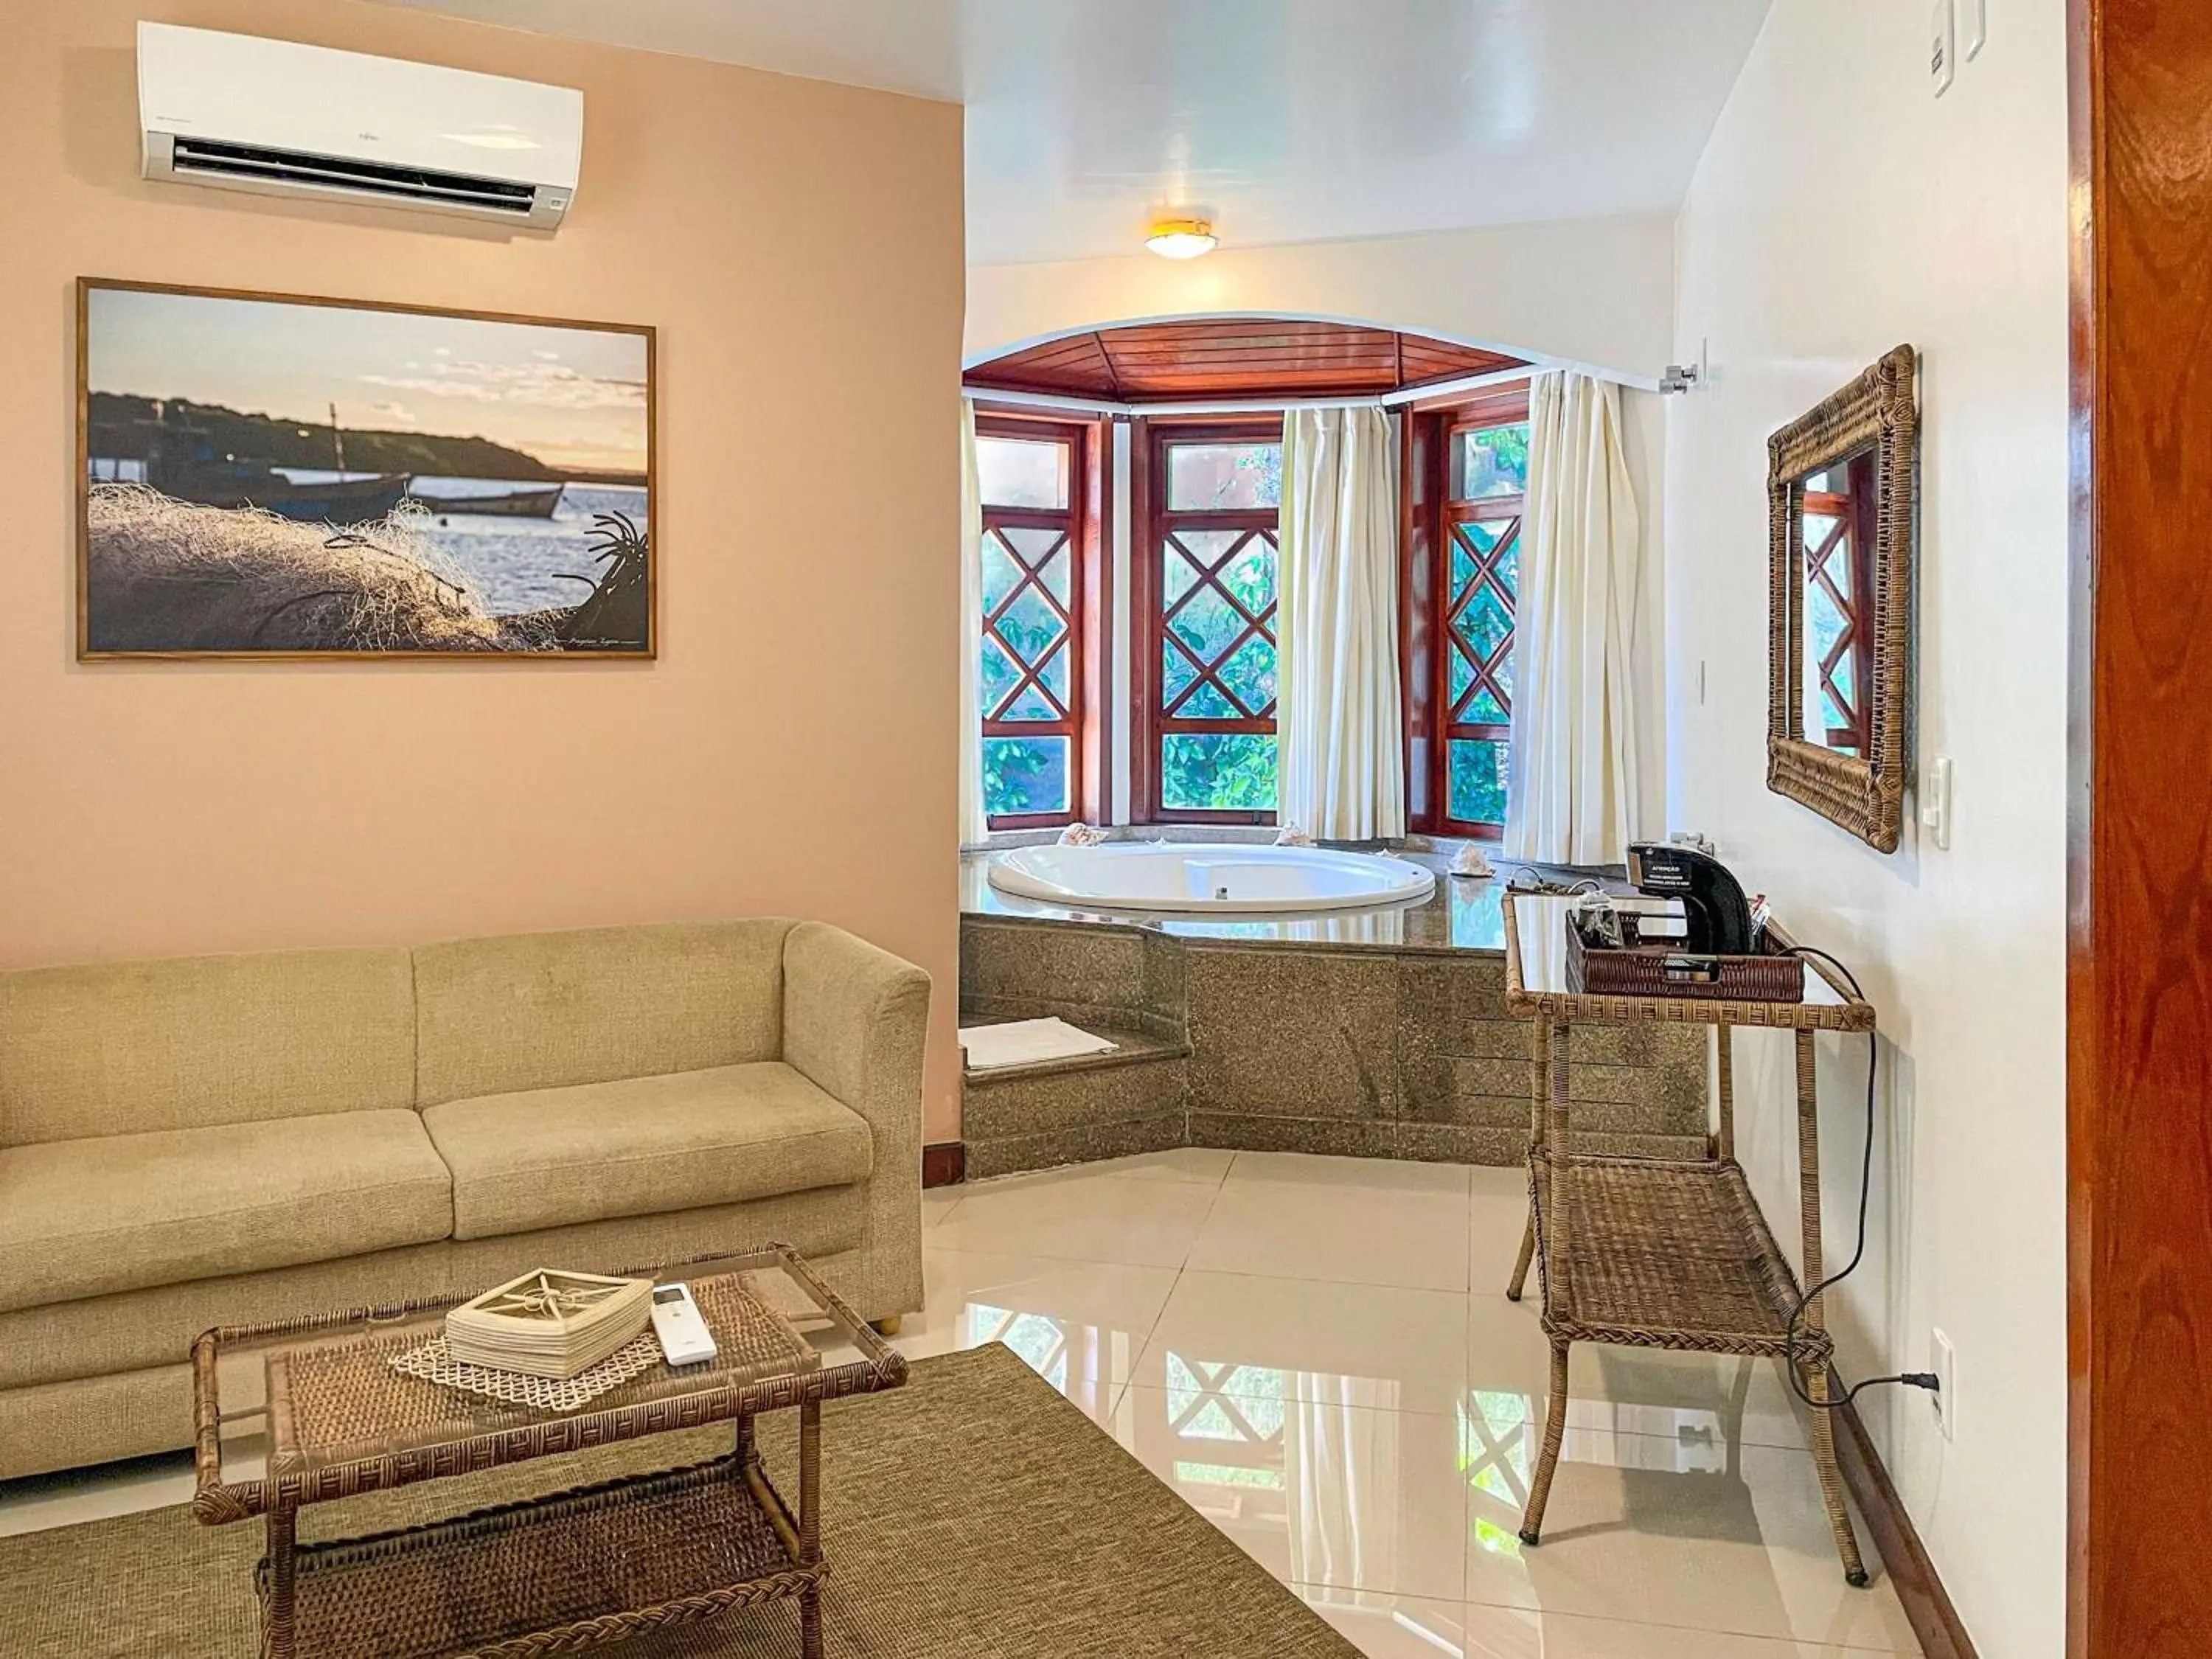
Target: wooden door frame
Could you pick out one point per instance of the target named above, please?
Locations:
(2139, 945)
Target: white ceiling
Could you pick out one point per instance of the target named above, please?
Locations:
(1289, 120)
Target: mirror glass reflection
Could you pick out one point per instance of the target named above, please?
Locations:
(1837, 510)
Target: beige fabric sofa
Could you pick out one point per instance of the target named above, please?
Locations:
(229, 1140)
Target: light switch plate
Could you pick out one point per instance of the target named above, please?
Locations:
(1943, 46)
(1935, 801)
(1973, 27)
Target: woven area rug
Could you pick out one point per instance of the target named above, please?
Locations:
(974, 1513)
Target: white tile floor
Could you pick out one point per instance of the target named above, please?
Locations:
(1317, 1353)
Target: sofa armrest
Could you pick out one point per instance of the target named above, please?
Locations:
(855, 1023)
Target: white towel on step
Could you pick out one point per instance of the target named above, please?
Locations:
(1026, 1042)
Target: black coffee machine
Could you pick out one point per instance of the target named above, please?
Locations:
(1715, 917)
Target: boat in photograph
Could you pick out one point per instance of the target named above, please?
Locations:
(509, 504)
(244, 484)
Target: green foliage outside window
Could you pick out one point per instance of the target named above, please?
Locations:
(1217, 771)
(1025, 774)
(1478, 781)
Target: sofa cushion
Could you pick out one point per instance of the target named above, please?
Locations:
(548, 1157)
(549, 1011)
(85, 1218)
(136, 1328)
(125, 1047)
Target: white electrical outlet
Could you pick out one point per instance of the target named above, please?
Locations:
(1973, 27)
(1943, 46)
(1943, 1360)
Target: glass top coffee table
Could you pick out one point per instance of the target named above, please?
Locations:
(308, 1411)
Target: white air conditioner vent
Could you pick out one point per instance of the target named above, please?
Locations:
(273, 118)
(195, 156)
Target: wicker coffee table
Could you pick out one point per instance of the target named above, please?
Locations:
(311, 1410)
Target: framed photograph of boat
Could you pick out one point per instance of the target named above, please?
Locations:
(270, 475)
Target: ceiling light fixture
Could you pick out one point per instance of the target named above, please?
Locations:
(1182, 239)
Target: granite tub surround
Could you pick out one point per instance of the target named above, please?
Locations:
(1250, 1036)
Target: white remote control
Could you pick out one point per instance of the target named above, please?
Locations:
(684, 1337)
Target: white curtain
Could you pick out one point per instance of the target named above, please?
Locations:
(1340, 746)
(974, 825)
(1573, 791)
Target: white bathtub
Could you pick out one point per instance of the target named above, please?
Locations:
(1207, 878)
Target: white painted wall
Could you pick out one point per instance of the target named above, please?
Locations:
(1839, 209)
(1592, 292)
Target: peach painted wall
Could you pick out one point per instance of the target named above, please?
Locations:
(798, 244)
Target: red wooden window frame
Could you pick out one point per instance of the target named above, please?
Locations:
(1149, 621)
(1083, 523)
(1431, 515)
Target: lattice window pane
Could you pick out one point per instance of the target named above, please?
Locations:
(1251, 575)
(1462, 673)
(1250, 674)
(999, 675)
(1031, 626)
(1001, 574)
(1208, 703)
(1031, 705)
(1463, 566)
(1207, 624)
(1056, 673)
(1486, 623)
(1045, 552)
(1176, 671)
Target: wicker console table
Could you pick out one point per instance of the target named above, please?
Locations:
(1660, 1252)
(311, 1410)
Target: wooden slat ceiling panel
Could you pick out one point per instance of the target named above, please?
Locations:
(1233, 358)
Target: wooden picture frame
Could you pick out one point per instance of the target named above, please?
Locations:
(1863, 792)
(464, 572)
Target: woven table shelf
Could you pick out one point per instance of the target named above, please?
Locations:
(333, 1419)
(1668, 1255)
(1655, 1253)
(548, 1575)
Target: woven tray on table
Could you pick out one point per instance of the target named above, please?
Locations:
(1637, 969)
(332, 1403)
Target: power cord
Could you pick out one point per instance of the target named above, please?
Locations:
(1926, 1379)
(1528, 880)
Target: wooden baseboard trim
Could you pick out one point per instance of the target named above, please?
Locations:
(944, 1164)
(1927, 1604)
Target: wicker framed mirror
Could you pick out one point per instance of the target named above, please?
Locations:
(1841, 484)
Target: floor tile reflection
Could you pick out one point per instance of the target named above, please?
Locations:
(1318, 1355)
(1321, 1492)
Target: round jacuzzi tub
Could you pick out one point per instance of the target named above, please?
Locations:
(1206, 878)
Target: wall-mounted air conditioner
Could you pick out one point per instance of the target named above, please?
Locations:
(278, 118)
